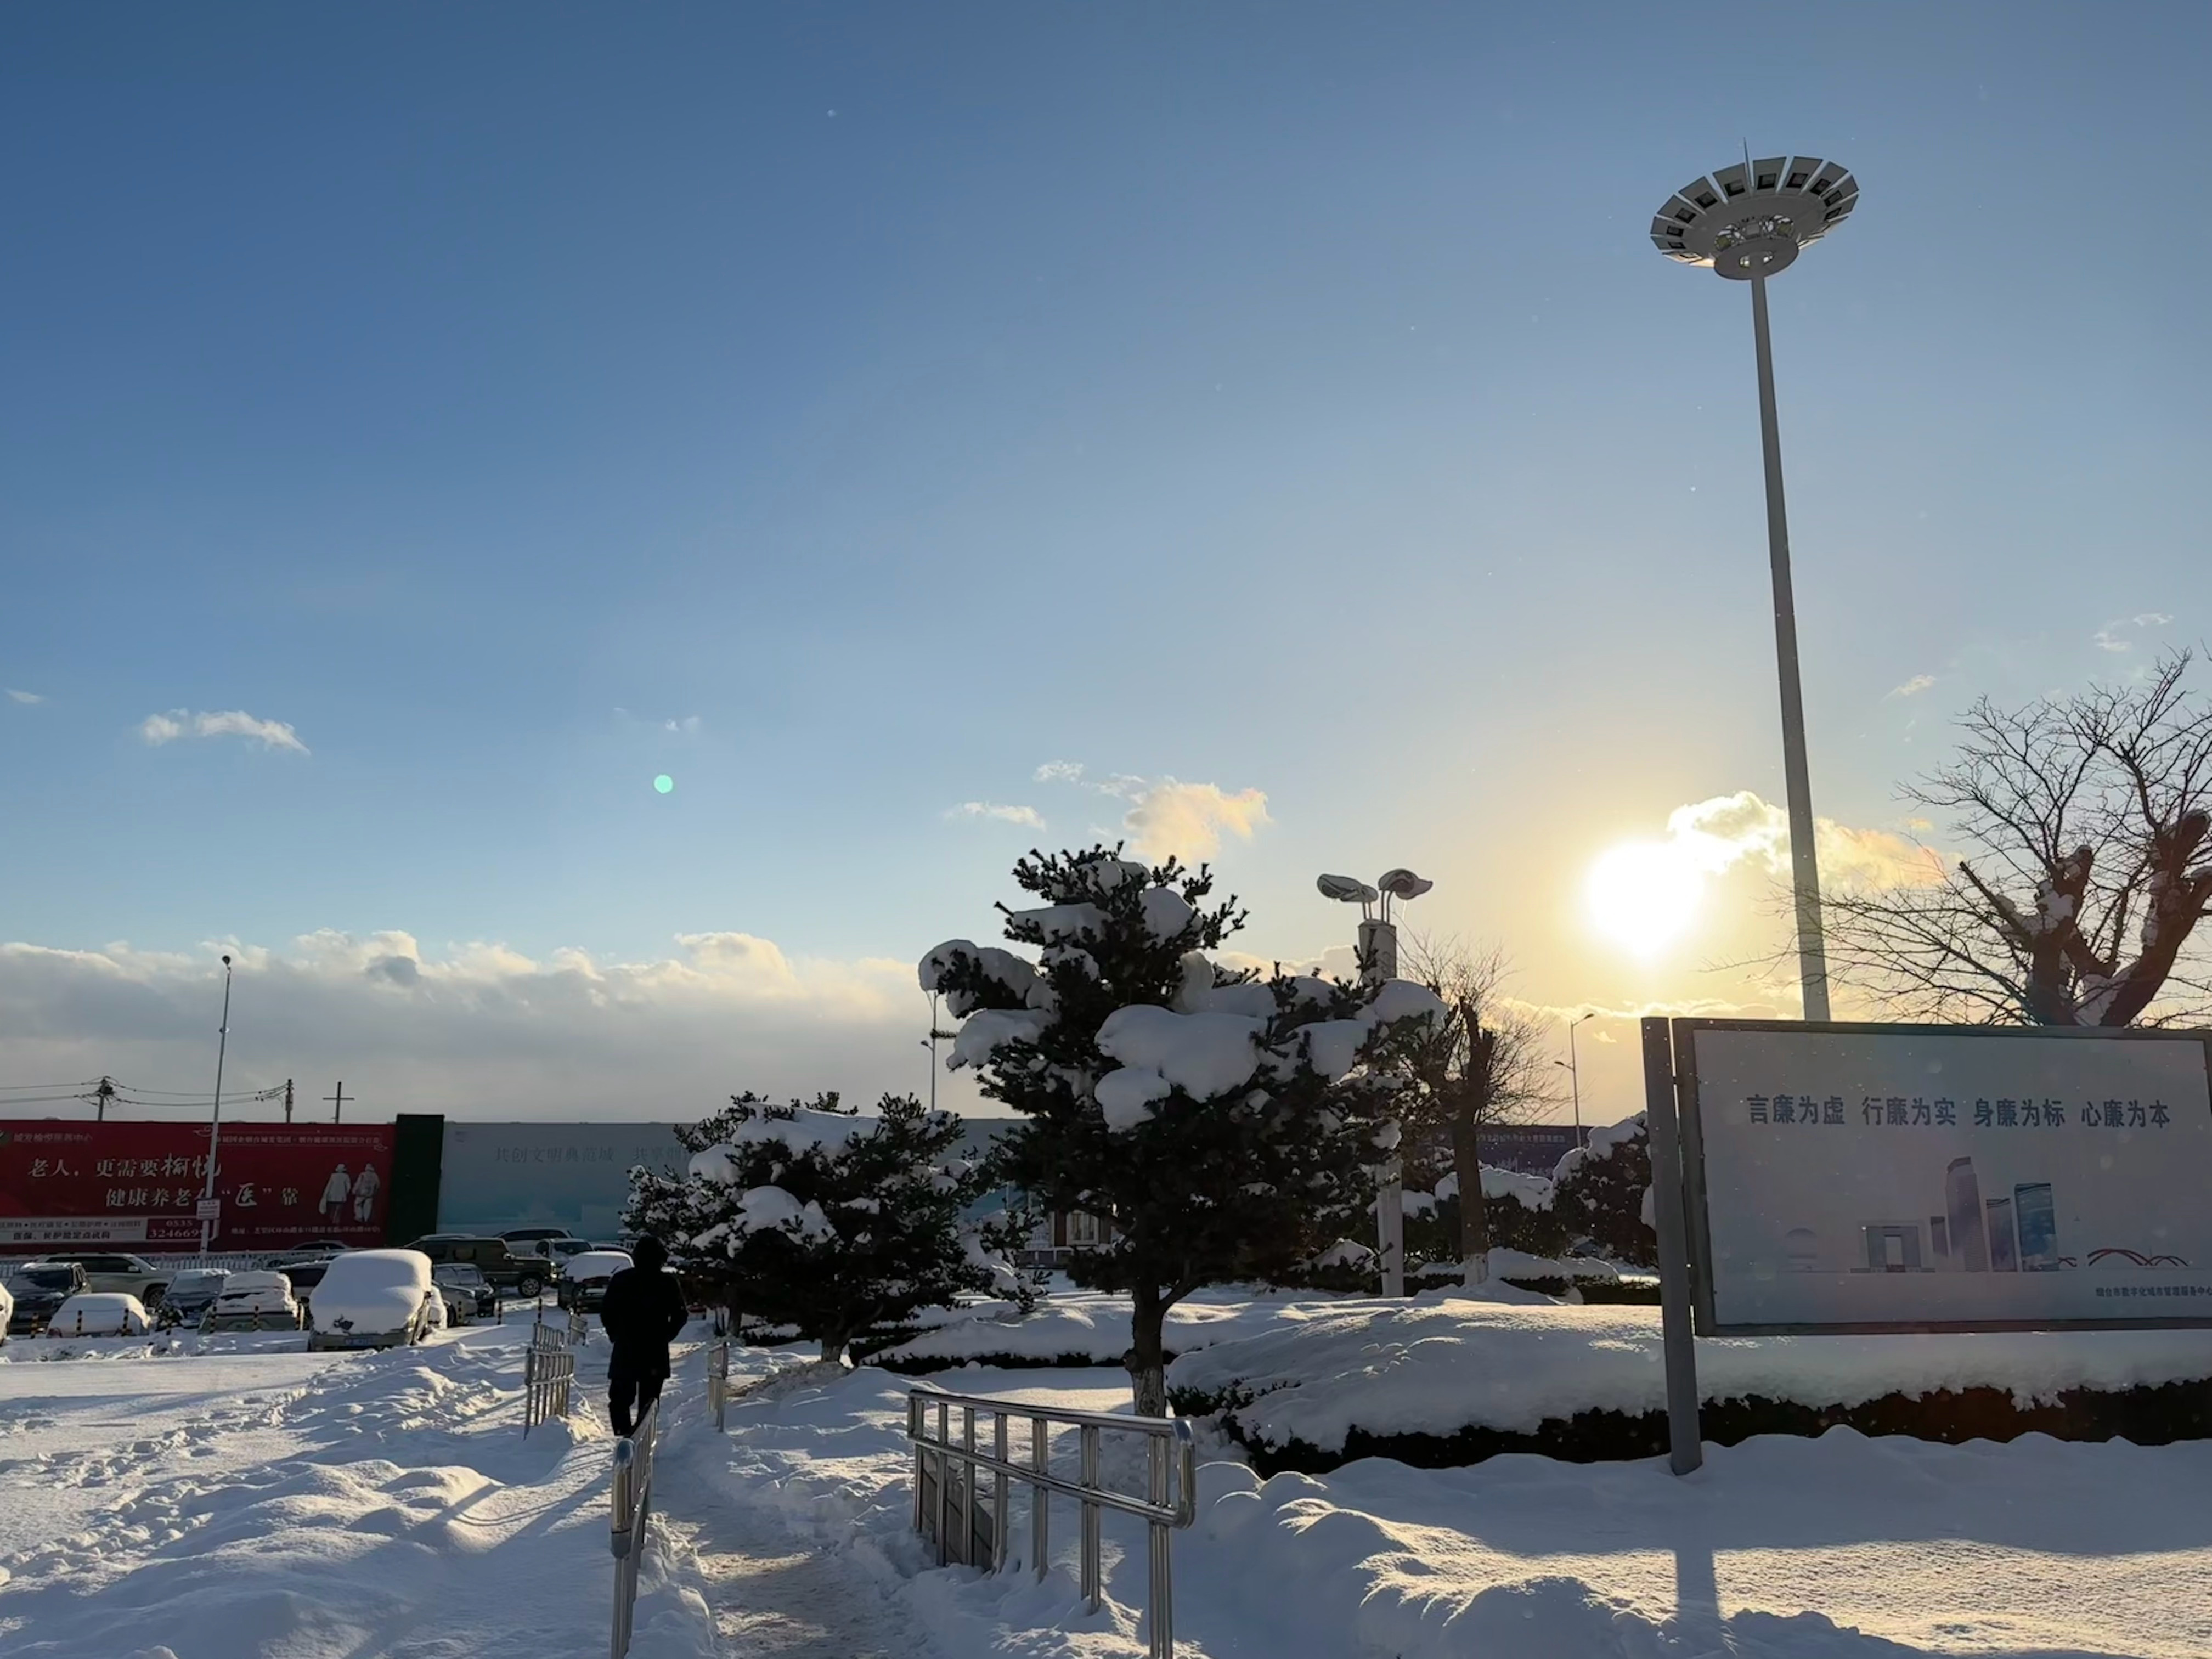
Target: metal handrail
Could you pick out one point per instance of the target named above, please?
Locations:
(629, 1509)
(943, 1498)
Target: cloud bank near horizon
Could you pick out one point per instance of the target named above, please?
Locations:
(477, 1030)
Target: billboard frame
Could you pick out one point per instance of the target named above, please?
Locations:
(1682, 1037)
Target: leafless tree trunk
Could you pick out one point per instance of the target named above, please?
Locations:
(2086, 822)
(1485, 1065)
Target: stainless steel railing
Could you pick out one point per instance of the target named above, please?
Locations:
(549, 1373)
(947, 1471)
(631, 1508)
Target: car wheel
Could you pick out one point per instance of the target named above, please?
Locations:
(529, 1284)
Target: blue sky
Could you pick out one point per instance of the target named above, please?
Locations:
(848, 412)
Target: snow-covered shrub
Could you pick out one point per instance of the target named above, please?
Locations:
(812, 1218)
(1602, 1192)
(1225, 1124)
(1519, 1211)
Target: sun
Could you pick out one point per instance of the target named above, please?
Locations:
(1644, 895)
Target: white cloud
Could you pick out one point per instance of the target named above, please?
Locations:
(1913, 687)
(476, 1029)
(158, 729)
(1714, 836)
(1168, 818)
(984, 809)
(687, 725)
(1188, 820)
(23, 696)
(2113, 637)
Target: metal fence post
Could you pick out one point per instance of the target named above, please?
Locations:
(1040, 1499)
(1092, 1589)
(1161, 1583)
(998, 1505)
(943, 1477)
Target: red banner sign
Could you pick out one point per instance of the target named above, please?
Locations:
(141, 1183)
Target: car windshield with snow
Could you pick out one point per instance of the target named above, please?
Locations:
(372, 1299)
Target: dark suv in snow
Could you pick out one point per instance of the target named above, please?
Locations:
(38, 1288)
(508, 1267)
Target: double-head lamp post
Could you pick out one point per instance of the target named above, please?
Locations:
(1748, 222)
(1378, 961)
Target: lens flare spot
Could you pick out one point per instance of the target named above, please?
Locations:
(663, 783)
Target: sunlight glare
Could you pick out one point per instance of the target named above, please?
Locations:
(1644, 895)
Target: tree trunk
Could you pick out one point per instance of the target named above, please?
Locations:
(1146, 1360)
(1473, 1213)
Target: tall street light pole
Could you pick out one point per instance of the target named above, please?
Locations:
(1748, 222)
(215, 1122)
(1574, 1071)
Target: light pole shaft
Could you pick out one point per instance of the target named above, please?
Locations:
(1575, 1078)
(215, 1121)
(1378, 944)
(1804, 859)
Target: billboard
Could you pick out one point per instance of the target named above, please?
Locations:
(1887, 1177)
(138, 1185)
(497, 1175)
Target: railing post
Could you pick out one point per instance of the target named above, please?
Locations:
(968, 1486)
(999, 1504)
(1161, 1586)
(1040, 1499)
(943, 1476)
(913, 1433)
(1091, 1587)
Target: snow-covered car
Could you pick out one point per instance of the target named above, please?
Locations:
(469, 1295)
(124, 1275)
(584, 1279)
(371, 1299)
(38, 1289)
(192, 1293)
(254, 1302)
(101, 1313)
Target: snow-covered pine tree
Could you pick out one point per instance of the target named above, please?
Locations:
(1221, 1123)
(814, 1217)
(1602, 1191)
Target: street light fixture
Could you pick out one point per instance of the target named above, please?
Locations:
(1749, 222)
(1574, 1069)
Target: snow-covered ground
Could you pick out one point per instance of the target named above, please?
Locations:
(236, 1498)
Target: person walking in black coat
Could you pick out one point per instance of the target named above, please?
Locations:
(643, 1310)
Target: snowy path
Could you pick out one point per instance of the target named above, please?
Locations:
(223, 1505)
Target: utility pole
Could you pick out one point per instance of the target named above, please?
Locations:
(337, 1103)
(215, 1122)
(287, 1100)
(102, 1096)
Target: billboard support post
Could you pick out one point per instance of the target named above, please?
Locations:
(1684, 1440)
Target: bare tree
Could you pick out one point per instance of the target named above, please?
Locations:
(2085, 821)
(1485, 1065)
